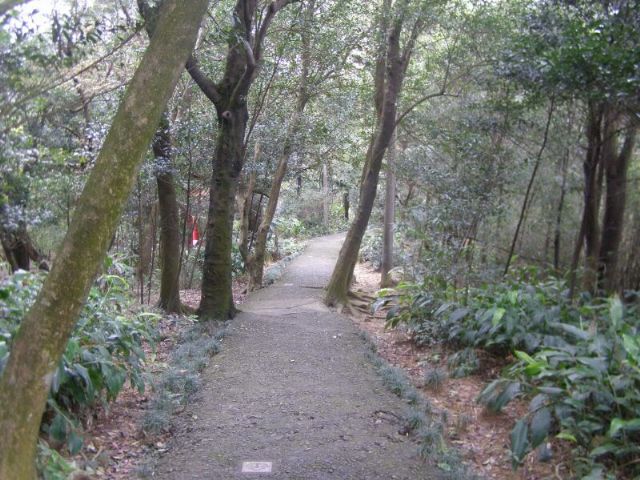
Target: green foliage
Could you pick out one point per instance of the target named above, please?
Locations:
(181, 380)
(580, 364)
(587, 49)
(52, 465)
(585, 391)
(104, 351)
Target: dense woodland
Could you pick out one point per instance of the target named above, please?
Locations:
(482, 155)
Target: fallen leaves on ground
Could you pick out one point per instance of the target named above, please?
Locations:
(483, 438)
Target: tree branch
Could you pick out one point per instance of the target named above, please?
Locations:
(207, 86)
(441, 93)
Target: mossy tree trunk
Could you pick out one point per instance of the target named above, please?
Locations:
(230, 99)
(390, 71)
(45, 330)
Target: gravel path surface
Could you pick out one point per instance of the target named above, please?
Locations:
(292, 389)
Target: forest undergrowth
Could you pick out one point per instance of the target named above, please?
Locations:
(552, 382)
(127, 371)
(465, 383)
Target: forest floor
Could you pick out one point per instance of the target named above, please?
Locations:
(482, 437)
(293, 392)
(293, 388)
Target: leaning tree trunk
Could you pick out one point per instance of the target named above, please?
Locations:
(616, 166)
(387, 92)
(256, 260)
(38, 346)
(389, 216)
(255, 265)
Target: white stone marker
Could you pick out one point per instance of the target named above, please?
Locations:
(256, 467)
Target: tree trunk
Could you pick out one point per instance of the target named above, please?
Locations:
(527, 200)
(326, 201)
(230, 99)
(592, 167)
(216, 301)
(345, 205)
(388, 85)
(245, 212)
(256, 261)
(389, 216)
(616, 165)
(170, 242)
(44, 332)
(557, 234)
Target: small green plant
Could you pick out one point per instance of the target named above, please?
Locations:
(585, 392)
(104, 351)
(434, 378)
(51, 465)
(579, 364)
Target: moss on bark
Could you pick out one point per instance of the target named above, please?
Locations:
(45, 330)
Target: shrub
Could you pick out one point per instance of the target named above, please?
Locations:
(586, 391)
(104, 351)
(579, 363)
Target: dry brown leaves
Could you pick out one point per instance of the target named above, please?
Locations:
(114, 440)
(482, 437)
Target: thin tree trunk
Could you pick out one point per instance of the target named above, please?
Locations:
(245, 210)
(256, 260)
(525, 202)
(38, 346)
(170, 245)
(557, 235)
(255, 264)
(326, 201)
(345, 205)
(389, 215)
(154, 242)
(170, 242)
(389, 77)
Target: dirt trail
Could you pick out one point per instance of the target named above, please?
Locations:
(293, 387)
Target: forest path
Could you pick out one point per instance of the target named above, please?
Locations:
(292, 388)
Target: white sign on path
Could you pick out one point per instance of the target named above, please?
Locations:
(256, 467)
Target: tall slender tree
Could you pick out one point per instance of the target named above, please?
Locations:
(38, 346)
(170, 242)
(391, 67)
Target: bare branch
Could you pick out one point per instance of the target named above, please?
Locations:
(207, 86)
